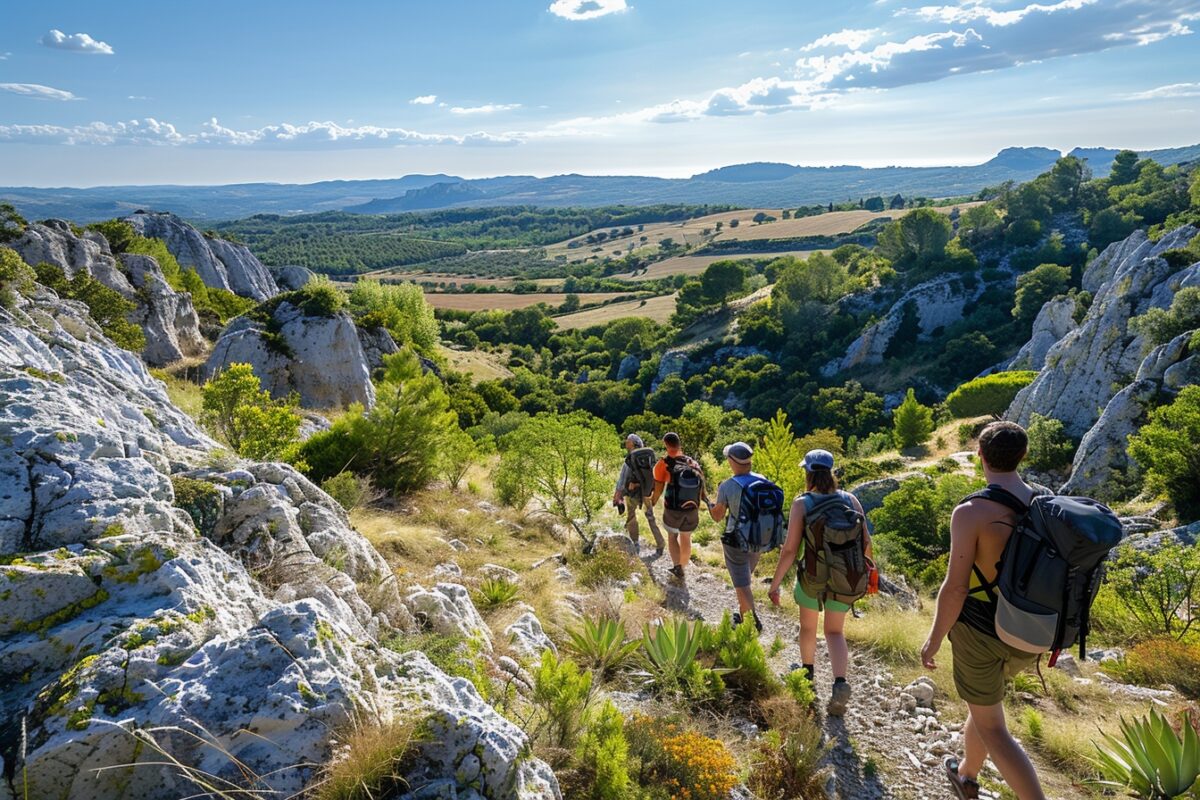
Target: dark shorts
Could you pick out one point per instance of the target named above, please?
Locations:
(982, 664)
(740, 565)
(681, 521)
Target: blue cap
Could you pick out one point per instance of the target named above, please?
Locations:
(817, 459)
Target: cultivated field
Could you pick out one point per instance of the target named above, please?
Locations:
(497, 301)
(694, 265)
(833, 224)
(658, 309)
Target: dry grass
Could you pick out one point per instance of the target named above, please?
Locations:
(371, 763)
(694, 265)
(479, 365)
(658, 309)
(500, 301)
(184, 392)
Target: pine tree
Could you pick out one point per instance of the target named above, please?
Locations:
(912, 422)
(778, 456)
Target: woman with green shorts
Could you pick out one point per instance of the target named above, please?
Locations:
(821, 483)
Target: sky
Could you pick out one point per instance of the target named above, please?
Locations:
(263, 90)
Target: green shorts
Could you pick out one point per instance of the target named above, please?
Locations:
(812, 603)
(982, 664)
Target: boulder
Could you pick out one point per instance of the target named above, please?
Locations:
(871, 494)
(291, 278)
(319, 358)
(376, 343)
(527, 637)
(447, 609)
(628, 368)
(497, 572)
(219, 263)
(1054, 321)
(616, 541)
(126, 625)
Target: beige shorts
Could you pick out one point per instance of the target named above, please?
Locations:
(681, 521)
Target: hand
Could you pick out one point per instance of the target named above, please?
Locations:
(928, 651)
(617, 499)
(773, 594)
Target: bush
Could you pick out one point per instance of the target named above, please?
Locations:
(604, 566)
(15, 274)
(991, 394)
(1161, 588)
(739, 652)
(822, 439)
(1160, 326)
(559, 700)
(401, 309)
(912, 526)
(495, 592)
(1150, 758)
(246, 417)
(787, 764)
(601, 769)
(1168, 449)
(1161, 661)
(1049, 446)
(1036, 287)
(458, 453)
(200, 499)
(669, 654)
(602, 645)
(106, 306)
(912, 423)
(684, 763)
(349, 490)
(857, 470)
(800, 688)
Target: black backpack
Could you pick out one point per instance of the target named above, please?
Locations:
(640, 462)
(1051, 570)
(685, 483)
(759, 526)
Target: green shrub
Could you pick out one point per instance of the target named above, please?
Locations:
(15, 274)
(669, 653)
(105, 306)
(1044, 282)
(912, 423)
(822, 439)
(247, 418)
(495, 592)
(858, 470)
(12, 224)
(787, 764)
(1168, 449)
(200, 499)
(739, 652)
(1161, 588)
(991, 394)
(912, 526)
(604, 566)
(349, 490)
(1049, 445)
(601, 769)
(398, 307)
(1160, 326)
(559, 700)
(800, 688)
(601, 645)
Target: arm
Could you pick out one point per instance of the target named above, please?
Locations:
(791, 546)
(659, 486)
(953, 594)
(622, 479)
(719, 509)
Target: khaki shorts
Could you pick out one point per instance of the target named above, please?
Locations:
(982, 664)
(681, 521)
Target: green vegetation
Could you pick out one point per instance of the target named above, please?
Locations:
(746, 671)
(602, 646)
(400, 308)
(991, 394)
(1149, 758)
(1161, 661)
(1049, 446)
(247, 418)
(1160, 588)
(349, 490)
(1035, 287)
(1168, 449)
(1160, 326)
(669, 652)
(200, 499)
(15, 275)
(106, 307)
(912, 527)
(912, 423)
(495, 592)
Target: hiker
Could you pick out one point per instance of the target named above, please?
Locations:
(828, 539)
(966, 612)
(679, 481)
(635, 484)
(752, 509)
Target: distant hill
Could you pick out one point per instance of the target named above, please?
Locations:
(764, 184)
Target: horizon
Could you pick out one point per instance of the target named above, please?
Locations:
(272, 93)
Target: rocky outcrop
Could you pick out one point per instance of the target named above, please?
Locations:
(1054, 321)
(168, 317)
(528, 638)
(219, 263)
(682, 361)
(1088, 366)
(291, 278)
(229, 616)
(929, 307)
(319, 358)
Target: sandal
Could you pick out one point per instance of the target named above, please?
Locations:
(964, 788)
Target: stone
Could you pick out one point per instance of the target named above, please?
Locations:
(528, 638)
(628, 368)
(447, 570)
(616, 541)
(871, 494)
(291, 278)
(497, 572)
(1067, 663)
(321, 359)
(922, 690)
(1054, 321)
(219, 263)
(447, 609)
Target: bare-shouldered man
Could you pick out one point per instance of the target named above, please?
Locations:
(966, 613)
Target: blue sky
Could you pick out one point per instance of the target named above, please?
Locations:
(220, 91)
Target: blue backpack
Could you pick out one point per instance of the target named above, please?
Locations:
(759, 525)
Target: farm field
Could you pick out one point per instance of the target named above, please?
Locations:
(832, 224)
(481, 366)
(659, 309)
(499, 301)
(694, 265)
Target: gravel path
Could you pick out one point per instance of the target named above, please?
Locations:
(889, 745)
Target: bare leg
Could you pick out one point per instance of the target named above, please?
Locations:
(745, 598)
(975, 751)
(808, 634)
(673, 546)
(1006, 754)
(835, 640)
(685, 548)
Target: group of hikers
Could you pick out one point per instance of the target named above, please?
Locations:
(1024, 567)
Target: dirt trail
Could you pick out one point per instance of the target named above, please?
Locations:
(885, 746)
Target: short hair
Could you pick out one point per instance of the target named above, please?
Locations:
(1003, 445)
(671, 440)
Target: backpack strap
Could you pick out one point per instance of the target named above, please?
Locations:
(998, 494)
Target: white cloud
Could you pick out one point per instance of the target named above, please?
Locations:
(76, 43)
(311, 135)
(850, 38)
(577, 10)
(38, 91)
(487, 108)
(4, 56)
(1168, 91)
(138, 97)
(423, 100)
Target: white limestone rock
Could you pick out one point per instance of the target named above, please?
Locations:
(219, 263)
(319, 358)
(1054, 321)
(528, 638)
(290, 278)
(447, 609)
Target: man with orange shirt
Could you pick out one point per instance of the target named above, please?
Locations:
(679, 480)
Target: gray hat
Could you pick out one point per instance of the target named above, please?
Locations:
(817, 459)
(637, 440)
(739, 452)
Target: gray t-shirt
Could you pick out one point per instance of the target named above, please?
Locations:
(730, 493)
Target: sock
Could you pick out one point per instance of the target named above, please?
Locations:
(839, 680)
(811, 672)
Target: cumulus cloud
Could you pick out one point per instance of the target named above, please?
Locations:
(577, 10)
(487, 108)
(38, 91)
(311, 135)
(423, 100)
(851, 38)
(76, 43)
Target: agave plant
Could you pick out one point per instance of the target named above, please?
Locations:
(1150, 758)
(601, 646)
(494, 592)
(669, 653)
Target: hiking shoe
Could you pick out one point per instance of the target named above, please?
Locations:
(677, 572)
(757, 621)
(737, 619)
(839, 700)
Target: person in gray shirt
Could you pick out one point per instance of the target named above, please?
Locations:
(739, 563)
(633, 499)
